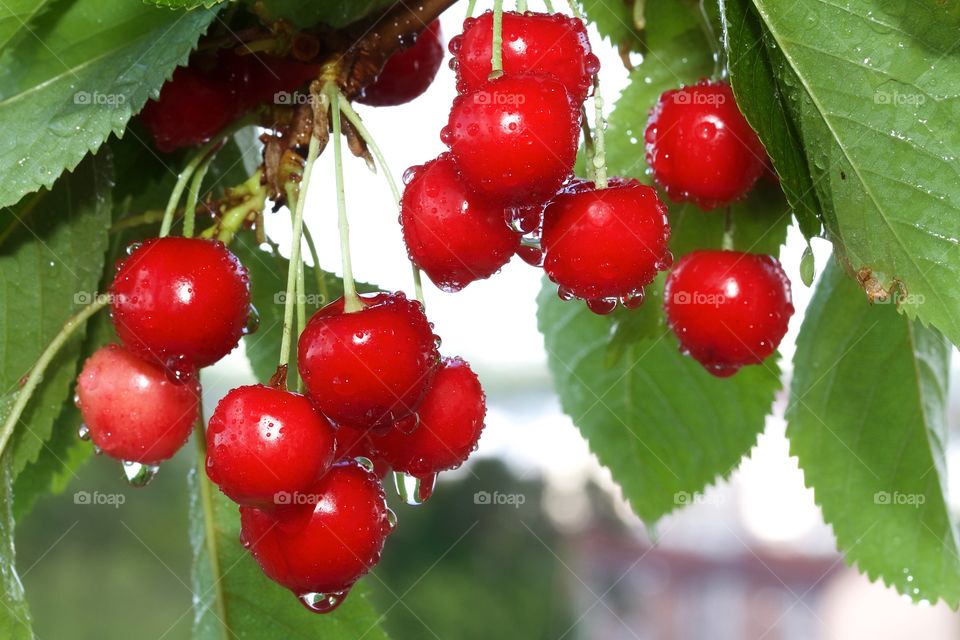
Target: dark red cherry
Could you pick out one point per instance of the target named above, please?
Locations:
(548, 43)
(353, 443)
(192, 107)
(184, 302)
(728, 308)
(514, 138)
(701, 148)
(267, 447)
(605, 244)
(448, 426)
(408, 73)
(256, 78)
(455, 236)
(324, 547)
(133, 410)
(370, 367)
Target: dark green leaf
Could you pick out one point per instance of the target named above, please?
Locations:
(78, 73)
(873, 89)
(268, 280)
(235, 600)
(615, 20)
(763, 104)
(868, 423)
(663, 426)
(185, 4)
(334, 13)
(51, 264)
(15, 623)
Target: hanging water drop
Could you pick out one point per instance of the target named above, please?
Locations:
(84, 433)
(139, 474)
(253, 321)
(365, 462)
(322, 602)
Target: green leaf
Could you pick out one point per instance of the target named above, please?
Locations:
(16, 16)
(762, 102)
(185, 4)
(53, 254)
(15, 623)
(873, 89)
(334, 13)
(78, 73)
(615, 21)
(268, 282)
(663, 426)
(235, 600)
(868, 422)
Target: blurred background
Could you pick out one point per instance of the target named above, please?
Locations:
(531, 539)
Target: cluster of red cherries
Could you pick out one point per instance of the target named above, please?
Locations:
(306, 469)
(513, 137)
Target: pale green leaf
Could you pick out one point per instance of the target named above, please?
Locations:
(15, 623)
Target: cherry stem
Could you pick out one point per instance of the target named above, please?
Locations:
(549, 5)
(35, 375)
(588, 150)
(727, 229)
(470, 7)
(361, 128)
(301, 310)
(193, 195)
(599, 156)
(287, 339)
(496, 56)
(716, 46)
(521, 6)
(351, 302)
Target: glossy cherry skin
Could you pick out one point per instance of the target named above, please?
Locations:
(455, 236)
(514, 138)
(727, 308)
(408, 73)
(134, 410)
(701, 148)
(327, 544)
(450, 421)
(192, 107)
(370, 367)
(353, 443)
(605, 243)
(266, 446)
(185, 302)
(547, 43)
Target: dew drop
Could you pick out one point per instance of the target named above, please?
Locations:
(633, 300)
(391, 519)
(132, 248)
(565, 294)
(139, 474)
(413, 490)
(322, 602)
(602, 306)
(84, 433)
(253, 321)
(365, 462)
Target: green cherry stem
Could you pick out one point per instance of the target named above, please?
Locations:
(193, 195)
(588, 151)
(521, 6)
(549, 5)
(182, 179)
(287, 337)
(599, 154)
(470, 7)
(35, 375)
(496, 56)
(351, 302)
(361, 128)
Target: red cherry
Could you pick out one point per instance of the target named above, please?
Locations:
(266, 446)
(132, 409)
(514, 138)
(548, 43)
(191, 109)
(326, 546)
(370, 367)
(257, 78)
(449, 426)
(728, 308)
(185, 302)
(452, 234)
(353, 443)
(408, 72)
(701, 148)
(605, 244)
